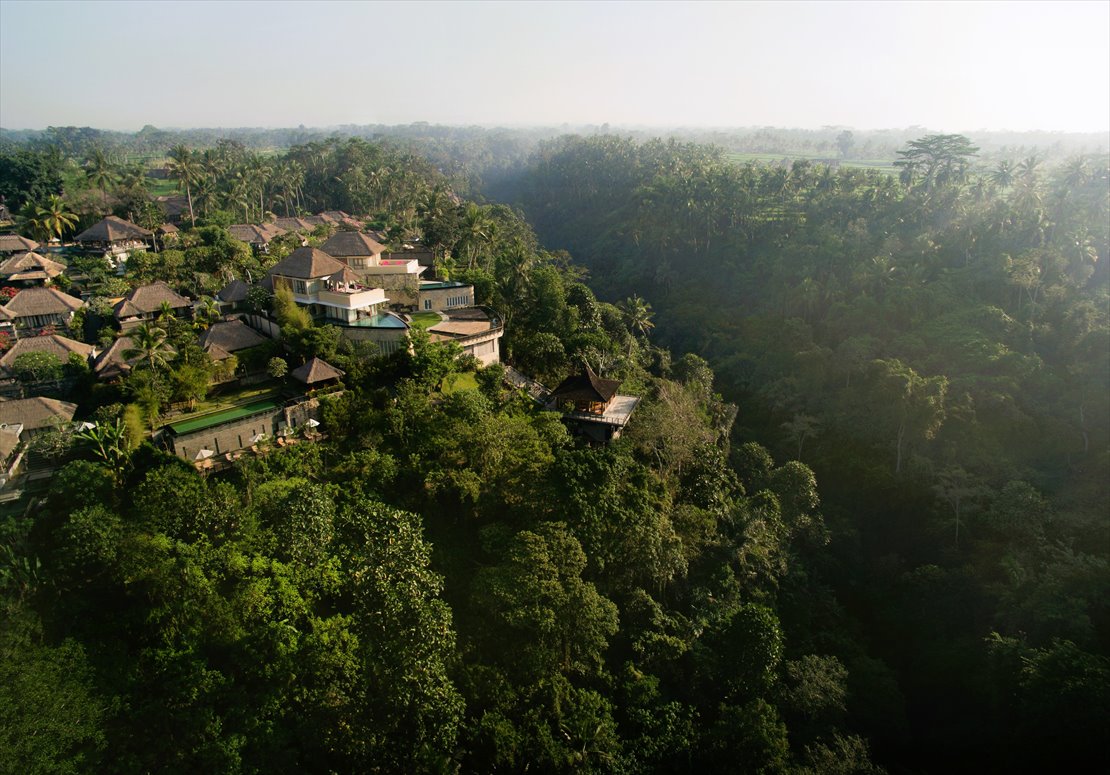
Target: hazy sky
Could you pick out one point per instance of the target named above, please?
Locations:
(946, 66)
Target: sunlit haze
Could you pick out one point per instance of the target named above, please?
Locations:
(945, 66)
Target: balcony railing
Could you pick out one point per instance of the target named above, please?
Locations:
(357, 299)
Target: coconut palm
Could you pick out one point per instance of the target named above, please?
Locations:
(101, 172)
(206, 312)
(55, 218)
(186, 171)
(477, 228)
(1003, 174)
(637, 316)
(149, 347)
(33, 224)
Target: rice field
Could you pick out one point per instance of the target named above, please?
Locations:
(883, 165)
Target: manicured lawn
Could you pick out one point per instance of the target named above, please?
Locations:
(208, 420)
(424, 319)
(456, 382)
(214, 403)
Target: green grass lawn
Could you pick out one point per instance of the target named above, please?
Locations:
(162, 187)
(454, 382)
(267, 390)
(217, 418)
(424, 319)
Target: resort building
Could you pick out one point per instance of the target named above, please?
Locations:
(229, 337)
(327, 288)
(112, 363)
(591, 406)
(30, 269)
(233, 296)
(56, 345)
(147, 302)
(316, 373)
(258, 237)
(294, 224)
(13, 243)
(399, 278)
(441, 296)
(114, 236)
(219, 437)
(36, 414)
(476, 330)
(34, 309)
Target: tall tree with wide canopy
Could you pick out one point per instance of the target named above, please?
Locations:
(937, 160)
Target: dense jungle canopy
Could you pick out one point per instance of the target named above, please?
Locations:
(858, 522)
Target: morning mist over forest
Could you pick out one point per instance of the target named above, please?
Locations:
(603, 387)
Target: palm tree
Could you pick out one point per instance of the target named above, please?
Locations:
(257, 175)
(101, 172)
(55, 218)
(185, 170)
(637, 316)
(1003, 174)
(1027, 170)
(477, 228)
(149, 347)
(33, 223)
(109, 443)
(206, 312)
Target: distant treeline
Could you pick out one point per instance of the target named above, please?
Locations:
(489, 151)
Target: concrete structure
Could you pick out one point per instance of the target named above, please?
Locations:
(476, 330)
(386, 330)
(327, 287)
(440, 296)
(399, 278)
(234, 430)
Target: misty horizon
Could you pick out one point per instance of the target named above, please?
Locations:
(987, 67)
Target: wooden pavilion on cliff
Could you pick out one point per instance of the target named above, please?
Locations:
(591, 406)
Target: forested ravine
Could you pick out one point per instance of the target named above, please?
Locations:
(935, 347)
(857, 522)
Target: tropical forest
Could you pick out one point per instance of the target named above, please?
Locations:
(856, 518)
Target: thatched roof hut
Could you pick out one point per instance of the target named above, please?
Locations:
(35, 413)
(112, 230)
(347, 244)
(28, 267)
(60, 346)
(587, 391)
(230, 336)
(148, 299)
(13, 243)
(307, 264)
(40, 302)
(316, 371)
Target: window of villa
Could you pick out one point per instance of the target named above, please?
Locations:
(427, 303)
